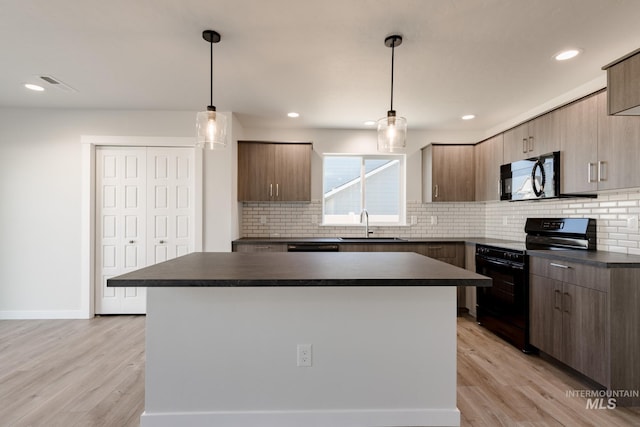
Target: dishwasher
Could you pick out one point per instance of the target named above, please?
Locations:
(313, 247)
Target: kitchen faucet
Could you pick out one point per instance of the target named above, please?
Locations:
(366, 222)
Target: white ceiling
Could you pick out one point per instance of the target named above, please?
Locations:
(325, 59)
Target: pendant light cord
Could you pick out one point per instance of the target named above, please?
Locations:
(211, 74)
(393, 50)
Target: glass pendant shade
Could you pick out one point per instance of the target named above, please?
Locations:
(212, 129)
(392, 133)
(392, 130)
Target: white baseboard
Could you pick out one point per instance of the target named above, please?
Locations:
(43, 314)
(342, 418)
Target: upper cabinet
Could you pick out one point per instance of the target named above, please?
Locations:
(623, 85)
(274, 171)
(516, 142)
(448, 173)
(488, 158)
(579, 145)
(534, 138)
(618, 149)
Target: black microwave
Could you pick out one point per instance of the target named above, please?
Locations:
(534, 178)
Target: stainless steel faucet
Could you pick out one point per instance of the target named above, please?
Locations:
(366, 222)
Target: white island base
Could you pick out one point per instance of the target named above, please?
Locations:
(227, 356)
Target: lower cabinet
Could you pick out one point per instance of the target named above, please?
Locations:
(470, 264)
(259, 247)
(569, 322)
(450, 252)
(588, 317)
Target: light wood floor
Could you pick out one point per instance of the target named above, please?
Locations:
(66, 373)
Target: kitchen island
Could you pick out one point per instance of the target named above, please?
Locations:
(226, 333)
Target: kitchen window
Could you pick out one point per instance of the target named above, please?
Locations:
(352, 183)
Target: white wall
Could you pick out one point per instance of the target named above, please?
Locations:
(40, 200)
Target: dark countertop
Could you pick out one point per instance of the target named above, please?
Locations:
(295, 240)
(596, 258)
(233, 269)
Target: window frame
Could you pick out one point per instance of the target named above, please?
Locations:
(402, 205)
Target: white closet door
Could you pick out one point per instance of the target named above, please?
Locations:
(170, 199)
(144, 215)
(121, 239)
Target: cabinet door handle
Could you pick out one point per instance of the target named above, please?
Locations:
(524, 145)
(601, 174)
(270, 190)
(567, 307)
(277, 190)
(530, 143)
(589, 167)
(556, 305)
(436, 190)
(553, 264)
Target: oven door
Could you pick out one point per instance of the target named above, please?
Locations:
(504, 307)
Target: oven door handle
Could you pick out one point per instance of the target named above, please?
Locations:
(502, 263)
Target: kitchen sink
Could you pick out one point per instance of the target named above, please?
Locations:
(372, 239)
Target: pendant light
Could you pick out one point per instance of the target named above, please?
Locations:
(392, 130)
(211, 126)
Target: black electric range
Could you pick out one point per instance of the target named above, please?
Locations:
(504, 307)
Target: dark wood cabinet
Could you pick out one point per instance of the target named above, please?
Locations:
(545, 316)
(618, 149)
(623, 84)
(533, 138)
(488, 158)
(274, 171)
(579, 145)
(569, 322)
(470, 264)
(259, 247)
(515, 143)
(588, 318)
(448, 173)
(449, 252)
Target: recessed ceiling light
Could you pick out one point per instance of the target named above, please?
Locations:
(370, 123)
(566, 54)
(468, 117)
(33, 87)
(293, 115)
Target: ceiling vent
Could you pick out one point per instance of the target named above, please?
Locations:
(57, 83)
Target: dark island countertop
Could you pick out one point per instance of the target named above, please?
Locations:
(233, 269)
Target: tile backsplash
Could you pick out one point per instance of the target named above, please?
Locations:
(303, 220)
(616, 214)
